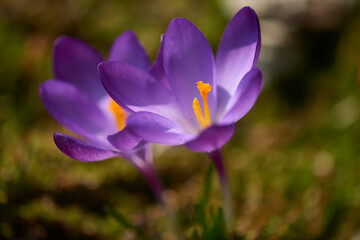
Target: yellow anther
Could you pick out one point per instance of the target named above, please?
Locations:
(204, 89)
(119, 114)
(198, 113)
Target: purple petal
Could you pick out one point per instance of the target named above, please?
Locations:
(126, 48)
(134, 89)
(76, 62)
(188, 58)
(239, 50)
(156, 129)
(74, 110)
(212, 138)
(80, 150)
(124, 140)
(157, 70)
(245, 96)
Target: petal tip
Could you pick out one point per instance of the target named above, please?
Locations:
(177, 20)
(80, 150)
(57, 135)
(247, 10)
(43, 88)
(124, 141)
(180, 21)
(100, 66)
(103, 68)
(129, 33)
(62, 39)
(64, 42)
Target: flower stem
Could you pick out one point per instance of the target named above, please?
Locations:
(154, 182)
(147, 170)
(143, 162)
(217, 158)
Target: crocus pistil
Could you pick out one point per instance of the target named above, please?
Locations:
(118, 113)
(204, 89)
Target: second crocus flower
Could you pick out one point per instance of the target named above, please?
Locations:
(78, 101)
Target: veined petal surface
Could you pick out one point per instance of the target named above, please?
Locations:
(136, 90)
(124, 140)
(244, 97)
(81, 150)
(75, 61)
(238, 51)
(188, 58)
(157, 129)
(74, 109)
(212, 138)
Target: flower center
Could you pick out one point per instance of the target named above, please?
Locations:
(204, 89)
(119, 114)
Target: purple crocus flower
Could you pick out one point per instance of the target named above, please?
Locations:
(166, 102)
(76, 99)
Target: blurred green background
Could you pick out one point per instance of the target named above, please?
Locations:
(294, 162)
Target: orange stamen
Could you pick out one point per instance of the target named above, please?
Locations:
(204, 89)
(198, 113)
(119, 114)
